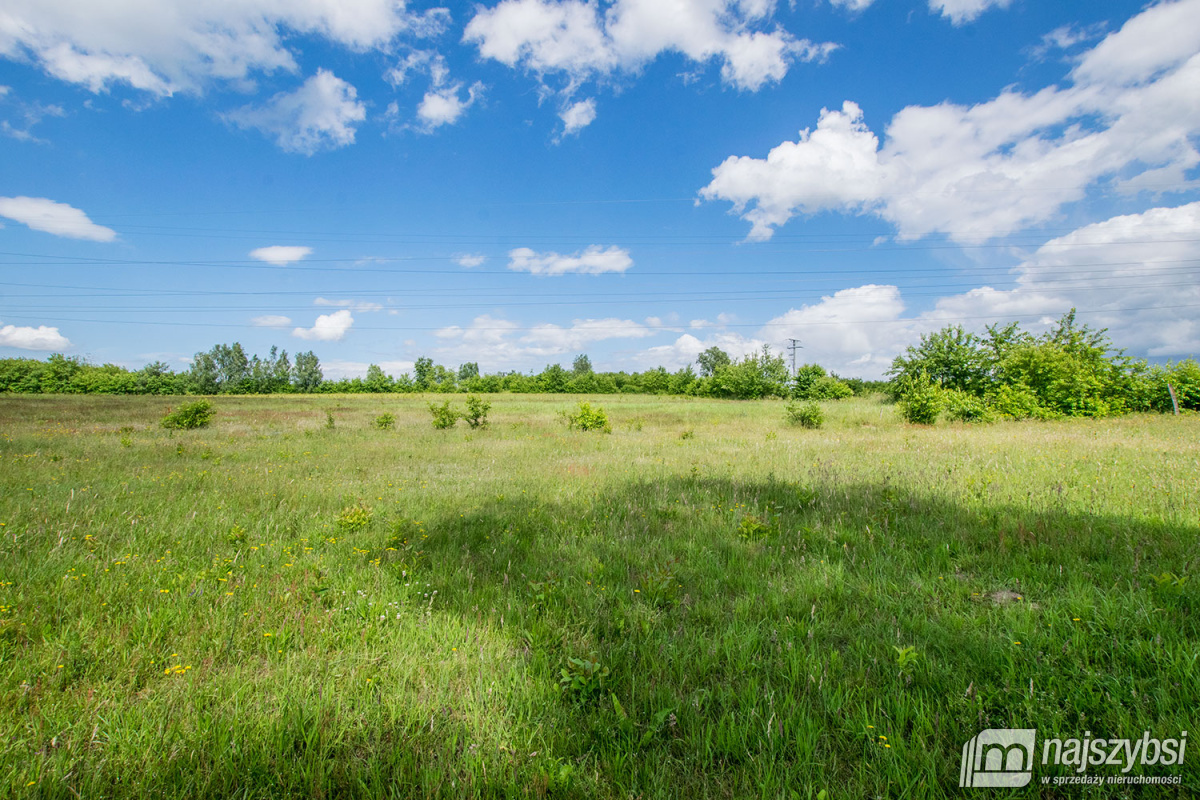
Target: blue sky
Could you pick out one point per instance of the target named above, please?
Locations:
(517, 182)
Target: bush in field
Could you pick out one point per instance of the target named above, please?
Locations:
(962, 406)
(477, 411)
(807, 415)
(586, 418)
(1071, 370)
(1018, 402)
(1184, 378)
(354, 518)
(385, 422)
(444, 417)
(812, 383)
(190, 415)
(921, 400)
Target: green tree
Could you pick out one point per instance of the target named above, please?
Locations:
(306, 372)
(202, 378)
(423, 373)
(553, 379)
(582, 365)
(711, 360)
(953, 358)
(377, 380)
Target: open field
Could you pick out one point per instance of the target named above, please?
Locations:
(197, 615)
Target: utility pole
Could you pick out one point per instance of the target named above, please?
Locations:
(793, 346)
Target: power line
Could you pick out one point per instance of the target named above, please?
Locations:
(665, 327)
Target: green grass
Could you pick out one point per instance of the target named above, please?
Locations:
(273, 608)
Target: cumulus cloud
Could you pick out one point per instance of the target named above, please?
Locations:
(960, 12)
(501, 343)
(579, 41)
(271, 321)
(1135, 274)
(27, 338)
(58, 219)
(595, 260)
(684, 350)
(336, 369)
(166, 46)
(280, 254)
(856, 331)
(328, 327)
(578, 116)
(834, 167)
(445, 105)
(1129, 119)
(320, 115)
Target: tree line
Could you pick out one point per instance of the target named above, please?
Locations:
(229, 369)
(1071, 370)
(1006, 372)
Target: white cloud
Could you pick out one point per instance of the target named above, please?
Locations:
(552, 339)
(417, 61)
(985, 171)
(27, 338)
(165, 46)
(354, 305)
(328, 327)
(578, 42)
(271, 321)
(578, 116)
(1134, 274)
(834, 167)
(280, 254)
(960, 12)
(320, 115)
(1066, 37)
(336, 369)
(856, 331)
(444, 106)
(1159, 39)
(684, 350)
(31, 114)
(499, 344)
(592, 261)
(852, 5)
(59, 219)
(469, 260)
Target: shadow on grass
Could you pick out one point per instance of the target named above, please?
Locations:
(751, 638)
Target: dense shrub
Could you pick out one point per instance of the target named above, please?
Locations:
(190, 415)
(1070, 371)
(1018, 402)
(477, 411)
(444, 417)
(921, 401)
(1184, 377)
(586, 418)
(962, 406)
(806, 415)
(385, 421)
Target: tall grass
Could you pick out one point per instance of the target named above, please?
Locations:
(192, 616)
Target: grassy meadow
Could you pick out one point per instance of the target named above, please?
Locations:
(706, 602)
